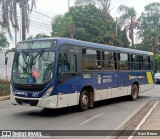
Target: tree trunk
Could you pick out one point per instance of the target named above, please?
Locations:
(23, 24)
(132, 33)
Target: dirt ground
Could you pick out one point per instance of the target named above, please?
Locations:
(4, 88)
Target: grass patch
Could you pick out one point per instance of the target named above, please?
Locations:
(4, 89)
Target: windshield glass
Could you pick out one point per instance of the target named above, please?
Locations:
(33, 67)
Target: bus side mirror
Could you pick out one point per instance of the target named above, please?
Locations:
(6, 60)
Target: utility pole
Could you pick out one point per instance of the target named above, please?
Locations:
(116, 25)
(68, 5)
(23, 12)
(15, 37)
(20, 30)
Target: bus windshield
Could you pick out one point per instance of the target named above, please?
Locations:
(33, 67)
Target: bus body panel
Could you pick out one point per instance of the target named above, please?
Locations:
(68, 86)
(68, 92)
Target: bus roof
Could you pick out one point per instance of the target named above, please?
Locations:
(94, 45)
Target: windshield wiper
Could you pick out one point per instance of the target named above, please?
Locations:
(24, 56)
(32, 62)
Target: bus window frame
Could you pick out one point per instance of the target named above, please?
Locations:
(97, 60)
(114, 60)
(136, 62)
(128, 61)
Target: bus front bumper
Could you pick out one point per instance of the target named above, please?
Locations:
(48, 102)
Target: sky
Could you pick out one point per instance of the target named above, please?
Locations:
(42, 15)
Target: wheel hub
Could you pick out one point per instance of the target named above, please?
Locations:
(85, 100)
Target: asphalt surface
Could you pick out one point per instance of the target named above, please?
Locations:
(106, 115)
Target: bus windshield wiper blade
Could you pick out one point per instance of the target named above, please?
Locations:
(24, 57)
(32, 62)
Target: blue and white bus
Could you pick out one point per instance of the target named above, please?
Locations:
(60, 72)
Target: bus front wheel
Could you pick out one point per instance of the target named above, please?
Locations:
(84, 100)
(134, 92)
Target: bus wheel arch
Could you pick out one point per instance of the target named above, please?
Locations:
(86, 95)
(134, 91)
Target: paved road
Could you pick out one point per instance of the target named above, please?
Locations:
(106, 115)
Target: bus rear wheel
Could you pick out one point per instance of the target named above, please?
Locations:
(84, 100)
(134, 92)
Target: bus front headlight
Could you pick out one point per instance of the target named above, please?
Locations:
(48, 92)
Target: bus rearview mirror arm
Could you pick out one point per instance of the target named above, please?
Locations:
(6, 58)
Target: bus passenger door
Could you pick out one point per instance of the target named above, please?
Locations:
(68, 80)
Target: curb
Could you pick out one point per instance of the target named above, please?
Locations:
(4, 98)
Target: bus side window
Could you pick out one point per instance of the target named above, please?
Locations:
(107, 60)
(136, 62)
(67, 67)
(90, 59)
(146, 63)
(151, 64)
(67, 63)
(124, 61)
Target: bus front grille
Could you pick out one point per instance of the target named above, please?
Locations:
(23, 101)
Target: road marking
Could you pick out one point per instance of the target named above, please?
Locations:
(91, 119)
(143, 120)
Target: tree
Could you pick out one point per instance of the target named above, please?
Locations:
(41, 35)
(128, 19)
(149, 27)
(88, 24)
(103, 5)
(56, 27)
(3, 40)
(157, 62)
(63, 26)
(9, 14)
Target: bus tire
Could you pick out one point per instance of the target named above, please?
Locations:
(84, 100)
(134, 92)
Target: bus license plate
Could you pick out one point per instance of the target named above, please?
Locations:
(25, 104)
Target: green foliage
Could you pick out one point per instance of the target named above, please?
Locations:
(157, 62)
(3, 40)
(56, 27)
(149, 26)
(5, 89)
(30, 37)
(127, 19)
(87, 23)
(142, 46)
(41, 35)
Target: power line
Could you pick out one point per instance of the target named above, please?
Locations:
(41, 14)
(41, 23)
(41, 26)
(35, 21)
(40, 30)
(46, 29)
(40, 19)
